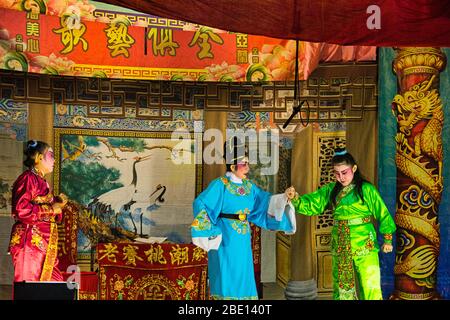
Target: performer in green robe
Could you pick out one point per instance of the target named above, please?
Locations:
(355, 204)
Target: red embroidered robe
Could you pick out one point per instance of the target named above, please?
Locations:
(34, 236)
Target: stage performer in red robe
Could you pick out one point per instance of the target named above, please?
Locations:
(34, 236)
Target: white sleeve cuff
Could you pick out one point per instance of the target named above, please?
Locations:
(277, 205)
(290, 212)
(206, 243)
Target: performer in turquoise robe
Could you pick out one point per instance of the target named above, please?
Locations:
(221, 226)
(355, 204)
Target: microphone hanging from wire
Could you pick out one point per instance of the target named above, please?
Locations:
(296, 110)
(297, 105)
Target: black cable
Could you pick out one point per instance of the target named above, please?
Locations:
(307, 113)
(297, 106)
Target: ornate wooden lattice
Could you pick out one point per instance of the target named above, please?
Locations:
(333, 92)
(284, 172)
(324, 145)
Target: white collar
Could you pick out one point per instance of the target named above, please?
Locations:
(233, 177)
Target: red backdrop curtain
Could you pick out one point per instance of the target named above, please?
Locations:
(402, 22)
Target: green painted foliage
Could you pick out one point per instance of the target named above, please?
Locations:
(71, 142)
(83, 181)
(134, 144)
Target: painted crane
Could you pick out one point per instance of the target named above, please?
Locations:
(117, 200)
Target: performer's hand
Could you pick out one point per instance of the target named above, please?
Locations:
(386, 247)
(290, 193)
(57, 208)
(62, 199)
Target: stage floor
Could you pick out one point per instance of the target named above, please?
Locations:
(271, 291)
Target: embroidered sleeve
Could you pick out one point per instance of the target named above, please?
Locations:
(379, 210)
(313, 203)
(43, 207)
(201, 222)
(387, 238)
(206, 208)
(46, 212)
(26, 206)
(272, 212)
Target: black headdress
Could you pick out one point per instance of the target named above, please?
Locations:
(234, 150)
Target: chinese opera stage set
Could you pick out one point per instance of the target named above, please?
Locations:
(107, 87)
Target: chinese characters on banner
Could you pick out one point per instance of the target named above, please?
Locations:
(70, 45)
(136, 271)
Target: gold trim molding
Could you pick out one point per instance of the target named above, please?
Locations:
(418, 60)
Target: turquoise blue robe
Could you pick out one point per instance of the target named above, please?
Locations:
(230, 267)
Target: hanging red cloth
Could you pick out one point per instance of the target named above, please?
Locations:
(345, 22)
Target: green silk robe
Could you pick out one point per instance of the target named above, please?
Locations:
(354, 245)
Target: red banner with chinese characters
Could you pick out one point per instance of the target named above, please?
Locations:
(70, 45)
(67, 237)
(137, 271)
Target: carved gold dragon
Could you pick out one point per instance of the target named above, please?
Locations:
(420, 158)
(417, 104)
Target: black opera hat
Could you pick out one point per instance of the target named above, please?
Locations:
(234, 150)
